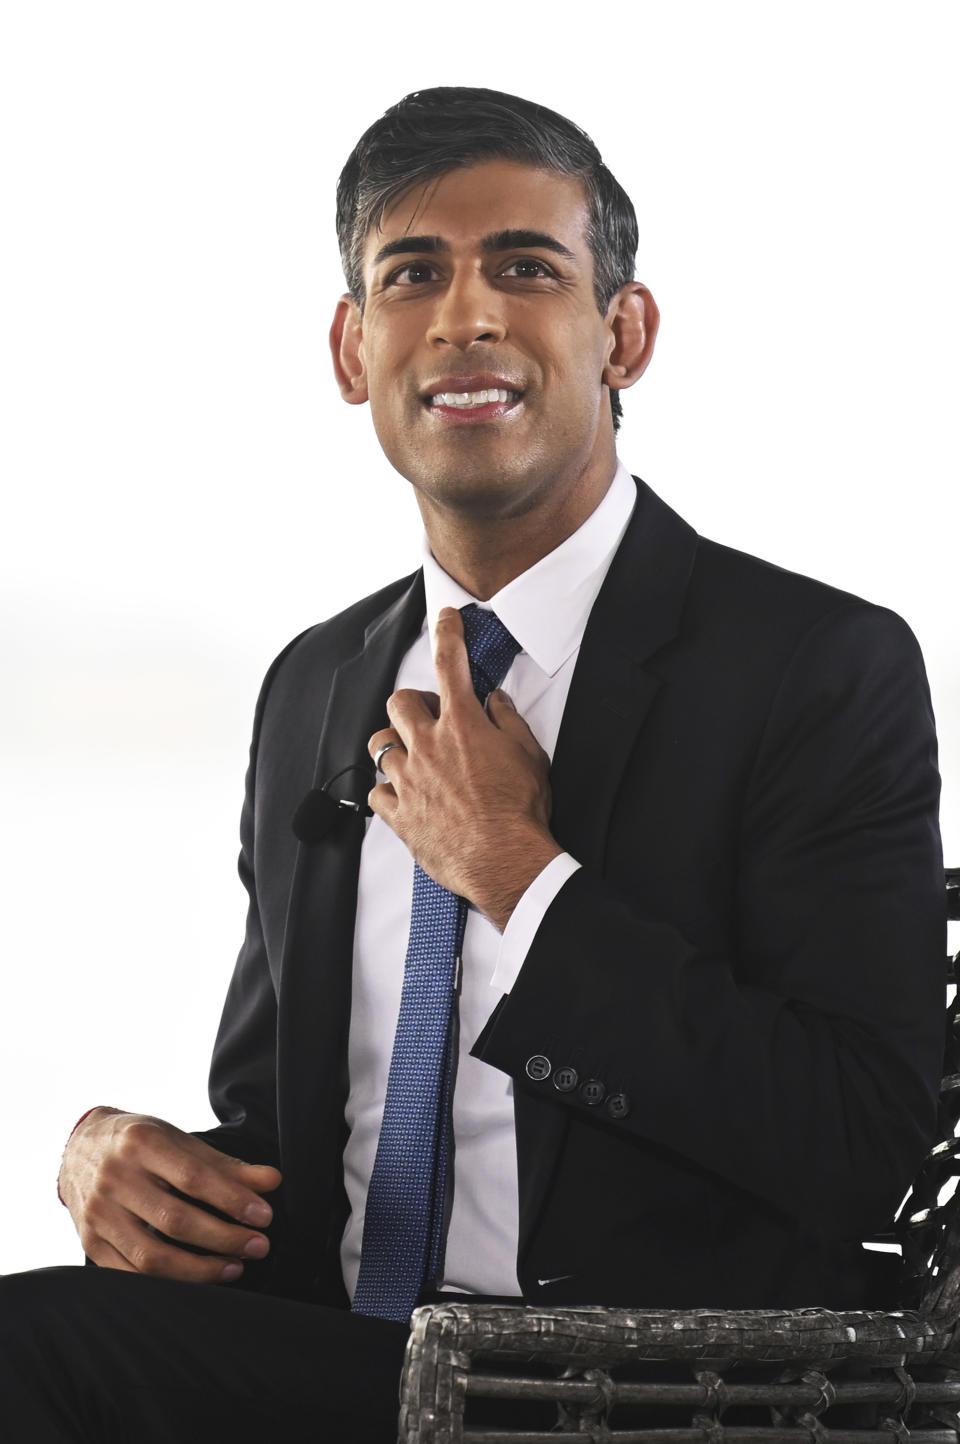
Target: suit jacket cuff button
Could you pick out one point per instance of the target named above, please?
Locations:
(618, 1105)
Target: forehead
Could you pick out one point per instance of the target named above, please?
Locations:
(462, 206)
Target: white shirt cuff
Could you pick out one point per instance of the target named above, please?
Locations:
(526, 918)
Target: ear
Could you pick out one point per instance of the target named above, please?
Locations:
(346, 344)
(633, 319)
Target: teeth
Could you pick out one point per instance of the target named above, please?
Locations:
(466, 399)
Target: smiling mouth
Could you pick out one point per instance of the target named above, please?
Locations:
(472, 400)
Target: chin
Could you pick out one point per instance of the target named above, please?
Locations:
(479, 481)
(482, 496)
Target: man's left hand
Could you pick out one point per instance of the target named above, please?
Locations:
(468, 788)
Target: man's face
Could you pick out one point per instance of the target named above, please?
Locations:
(482, 282)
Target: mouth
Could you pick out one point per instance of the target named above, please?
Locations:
(470, 400)
(461, 399)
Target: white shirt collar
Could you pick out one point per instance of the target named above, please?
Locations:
(546, 607)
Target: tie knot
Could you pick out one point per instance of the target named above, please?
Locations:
(490, 648)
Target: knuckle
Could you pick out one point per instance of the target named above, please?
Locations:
(170, 1219)
(94, 1212)
(190, 1175)
(128, 1143)
(112, 1170)
(144, 1259)
(133, 1141)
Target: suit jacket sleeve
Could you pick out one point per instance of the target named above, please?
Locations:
(800, 1058)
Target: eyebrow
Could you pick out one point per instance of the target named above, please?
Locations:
(496, 241)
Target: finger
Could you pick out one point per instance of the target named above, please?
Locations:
(382, 800)
(181, 1221)
(155, 1203)
(261, 1177)
(194, 1168)
(412, 705)
(145, 1253)
(105, 1256)
(223, 1186)
(452, 666)
(409, 710)
(504, 715)
(382, 744)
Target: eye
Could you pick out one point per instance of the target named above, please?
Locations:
(412, 274)
(527, 268)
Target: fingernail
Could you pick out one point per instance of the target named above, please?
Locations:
(502, 696)
(231, 1271)
(258, 1214)
(255, 1247)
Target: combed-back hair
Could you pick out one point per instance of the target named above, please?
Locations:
(433, 131)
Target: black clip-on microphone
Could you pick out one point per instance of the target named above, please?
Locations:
(321, 812)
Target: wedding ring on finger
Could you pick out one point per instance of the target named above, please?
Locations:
(381, 750)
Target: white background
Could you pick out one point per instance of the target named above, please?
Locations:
(184, 490)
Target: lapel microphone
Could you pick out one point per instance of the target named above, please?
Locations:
(322, 813)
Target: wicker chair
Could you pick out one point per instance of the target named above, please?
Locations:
(707, 1376)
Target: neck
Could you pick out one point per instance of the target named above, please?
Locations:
(485, 553)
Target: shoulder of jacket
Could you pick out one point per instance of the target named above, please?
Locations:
(343, 633)
(748, 585)
(766, 614)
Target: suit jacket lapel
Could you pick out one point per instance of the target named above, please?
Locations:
(359, 692)
(318, 942)
(637, 611)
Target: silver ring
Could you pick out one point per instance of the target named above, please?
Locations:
(381, 750)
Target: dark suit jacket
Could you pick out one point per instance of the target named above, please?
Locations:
(748, 968)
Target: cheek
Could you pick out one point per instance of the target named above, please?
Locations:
(395, 420)
(577, 355)
(384, 373)
(576, 376)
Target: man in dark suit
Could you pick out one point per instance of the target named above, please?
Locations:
(700, 973)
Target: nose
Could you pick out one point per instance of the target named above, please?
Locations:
(467, 310)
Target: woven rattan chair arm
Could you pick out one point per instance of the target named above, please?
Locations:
(591, 1336)
(460, 1349)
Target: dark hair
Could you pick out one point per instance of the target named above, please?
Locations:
(433, 131)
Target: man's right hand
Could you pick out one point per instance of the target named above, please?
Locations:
(118, 1174)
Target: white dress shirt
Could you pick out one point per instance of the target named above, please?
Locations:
(546, 610)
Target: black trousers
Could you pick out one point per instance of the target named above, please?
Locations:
(96, 1356)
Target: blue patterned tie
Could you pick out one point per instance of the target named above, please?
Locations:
(404, 1224)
